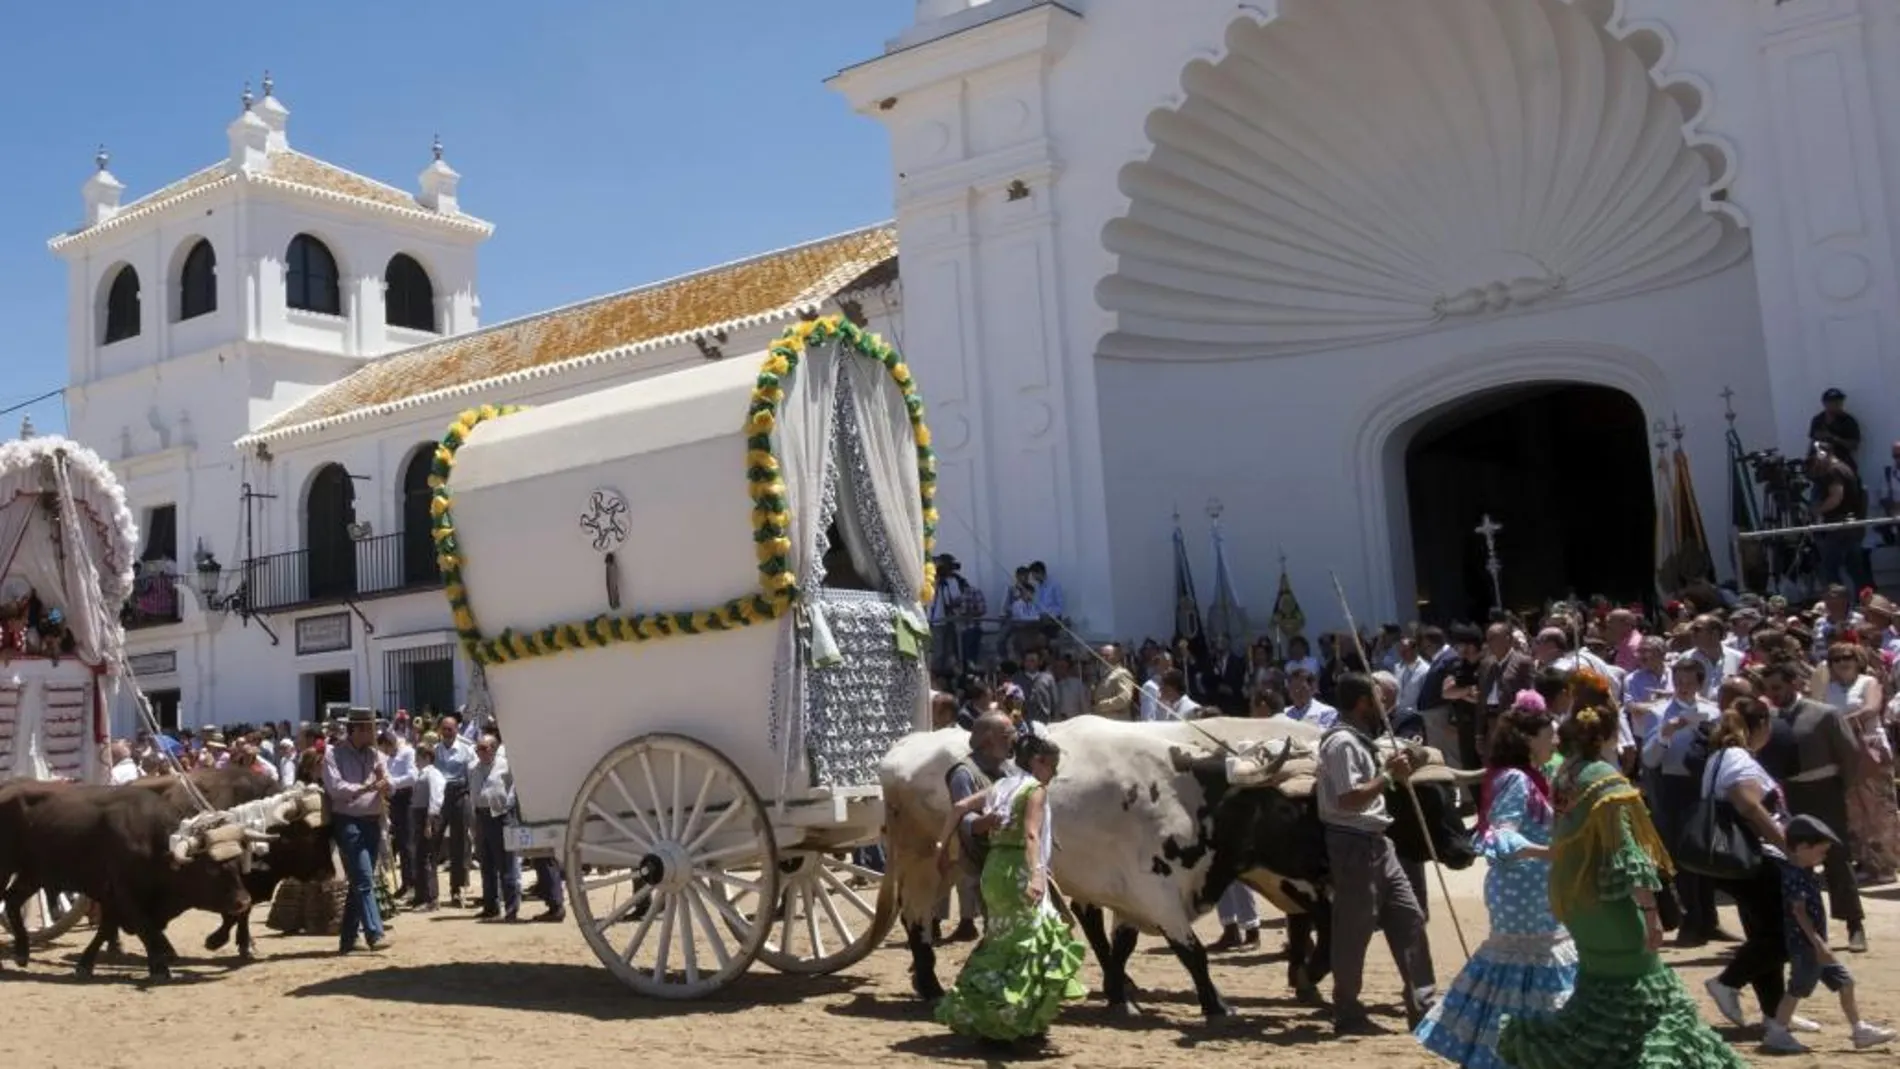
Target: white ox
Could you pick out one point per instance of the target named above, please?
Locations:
(1148, 826)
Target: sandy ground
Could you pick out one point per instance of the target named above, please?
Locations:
(450, 991)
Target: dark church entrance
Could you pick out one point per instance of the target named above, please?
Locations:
(1565, 469)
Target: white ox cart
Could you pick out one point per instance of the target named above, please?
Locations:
(694, 601)
(67, 542)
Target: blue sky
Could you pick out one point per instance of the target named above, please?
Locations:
(611, 143)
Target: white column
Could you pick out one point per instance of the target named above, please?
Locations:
(1012, 408)
(1824, 252)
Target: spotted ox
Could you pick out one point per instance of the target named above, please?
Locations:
(1142, 829)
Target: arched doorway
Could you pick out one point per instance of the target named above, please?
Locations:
(1564, 468)
(329, 510)
(419, 566)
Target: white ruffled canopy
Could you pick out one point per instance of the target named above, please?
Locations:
(67, 533)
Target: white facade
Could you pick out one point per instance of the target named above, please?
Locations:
(166, 404)
(257, 397)
(1161, 253)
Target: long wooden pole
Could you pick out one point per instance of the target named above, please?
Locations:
(1418, 811)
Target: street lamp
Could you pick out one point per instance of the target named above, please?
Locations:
(209, 572)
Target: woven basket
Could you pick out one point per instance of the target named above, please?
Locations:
(307, 907)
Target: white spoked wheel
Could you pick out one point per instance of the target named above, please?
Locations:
(677, 839)
(51, 914)
(823, 923)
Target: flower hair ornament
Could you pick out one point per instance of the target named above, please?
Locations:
(1588, 717)
(1529, 701)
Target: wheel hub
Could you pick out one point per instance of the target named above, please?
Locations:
(667, 868)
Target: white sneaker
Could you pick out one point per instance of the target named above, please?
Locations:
(1871, 1035)
(1727, 999)
(1802, 1024)
(1778, 1040)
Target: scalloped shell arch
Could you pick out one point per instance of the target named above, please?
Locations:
(1356, 170)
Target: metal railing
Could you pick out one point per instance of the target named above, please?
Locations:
(377, 566)
(154, 602)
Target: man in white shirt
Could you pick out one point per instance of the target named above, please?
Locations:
(402, 781)
(1158, 666)
(1411, 676)
(1718, 661)
(1302, 701)
(425, 809)
(1674, 790)
(1175, 704)
(492, 786)
(124, 769)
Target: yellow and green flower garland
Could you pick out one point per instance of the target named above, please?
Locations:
(771, 514)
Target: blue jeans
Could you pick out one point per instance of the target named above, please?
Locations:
(548, 873)
(501, 870)
(359, 840)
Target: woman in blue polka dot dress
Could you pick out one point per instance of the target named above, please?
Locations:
(1529, 964)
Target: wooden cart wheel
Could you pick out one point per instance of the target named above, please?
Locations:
(51, 914)
(823, 923)
(677, 839)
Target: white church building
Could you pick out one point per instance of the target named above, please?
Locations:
(1362, 271)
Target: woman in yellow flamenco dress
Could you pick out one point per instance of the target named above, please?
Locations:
(1629, 1010)
(1017, 978)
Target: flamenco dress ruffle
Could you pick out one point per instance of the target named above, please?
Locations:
(1629, 1010)
(1509, 976)
(1528, 965)
(1026, 967)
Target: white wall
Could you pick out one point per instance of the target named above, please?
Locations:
(1282, 444)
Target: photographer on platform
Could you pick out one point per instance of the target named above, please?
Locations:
(1838, 497)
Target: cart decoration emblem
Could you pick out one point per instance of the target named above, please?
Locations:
(605, 521)
(771, 514)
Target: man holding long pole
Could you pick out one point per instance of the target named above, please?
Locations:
(1370, 889)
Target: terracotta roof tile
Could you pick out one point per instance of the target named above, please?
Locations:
(775, 285)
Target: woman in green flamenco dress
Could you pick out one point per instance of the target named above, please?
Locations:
(1024, 969)
(1629, 1010)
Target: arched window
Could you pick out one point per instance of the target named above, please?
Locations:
(310, 281)
(408, 295)
(122, 306)
(418, 540)
(329, 510)
(198, 282)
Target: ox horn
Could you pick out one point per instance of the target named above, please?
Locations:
(224, 851)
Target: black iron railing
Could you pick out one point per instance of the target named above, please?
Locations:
(154, 601)
(360, 568)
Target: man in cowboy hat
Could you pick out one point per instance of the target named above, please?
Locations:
(356, 778)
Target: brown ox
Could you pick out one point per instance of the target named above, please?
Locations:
(299, 851)
(114, 846)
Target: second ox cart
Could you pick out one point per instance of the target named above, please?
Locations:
(695, 602)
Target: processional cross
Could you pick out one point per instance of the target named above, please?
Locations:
(1489, 531)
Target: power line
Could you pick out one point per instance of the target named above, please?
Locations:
(32, 401)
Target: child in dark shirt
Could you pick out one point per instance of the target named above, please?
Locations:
(1805, 928)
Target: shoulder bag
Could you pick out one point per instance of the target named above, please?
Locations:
(1716, 842)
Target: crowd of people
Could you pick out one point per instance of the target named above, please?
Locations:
(408, 797)
(1638, 769)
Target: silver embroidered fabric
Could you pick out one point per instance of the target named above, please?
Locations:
(821, 545)
(856, 711)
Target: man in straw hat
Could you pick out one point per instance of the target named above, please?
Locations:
(357, 780)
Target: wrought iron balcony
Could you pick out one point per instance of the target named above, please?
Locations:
(154, 601)
(342, 570)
